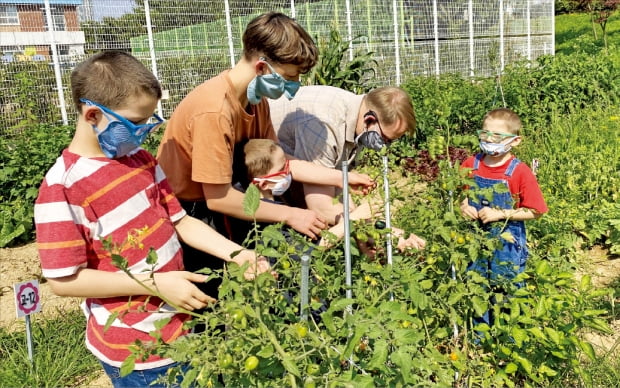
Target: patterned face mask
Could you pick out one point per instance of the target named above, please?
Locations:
(121, 136)
(271, 86)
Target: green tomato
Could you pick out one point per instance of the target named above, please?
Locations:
(302, 330)
(285, 264)
(237, 315)
(251, 363)
(225, 360)
(312, 369)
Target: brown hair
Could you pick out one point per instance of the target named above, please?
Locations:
(392, 103)
(281, 39)
(258, 154)
(109, 78)
(510, 118)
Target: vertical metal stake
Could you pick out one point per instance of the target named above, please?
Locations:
(388, 220)
(347, 228)
(29, 340)
(305, 273)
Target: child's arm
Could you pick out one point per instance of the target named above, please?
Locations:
(199, 235)
(361, 212)
(309, 172)
(489, 214)
(176, 286)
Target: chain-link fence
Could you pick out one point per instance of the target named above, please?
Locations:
(186, 42)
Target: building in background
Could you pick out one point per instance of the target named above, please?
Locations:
(25, 32)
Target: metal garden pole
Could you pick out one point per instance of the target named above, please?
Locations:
(501, 36)
(436, 34)
(470, 17)
(149, 31)
(231, 47)
(349, 27)
(305, 274)
(56, 61)
(396, 43)
(347, 229)
(388, 221)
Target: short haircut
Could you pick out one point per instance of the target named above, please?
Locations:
(280, 39)
(392, 103)
(258, 153)
(510, 118)
(111, 77)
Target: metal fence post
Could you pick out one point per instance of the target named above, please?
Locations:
(56, 60)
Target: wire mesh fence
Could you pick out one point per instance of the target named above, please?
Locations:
(186, 42)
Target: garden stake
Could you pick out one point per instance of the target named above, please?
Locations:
(388, 222)
(347, 230)
(305, 271)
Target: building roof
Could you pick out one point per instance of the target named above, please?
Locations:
(52, 2)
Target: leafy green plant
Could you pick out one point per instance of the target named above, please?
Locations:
(335, 70)
(24, 160)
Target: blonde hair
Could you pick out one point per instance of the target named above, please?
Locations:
(281, 39)
(510, 119)
(110, 78)
(258, 153)
(392, 103)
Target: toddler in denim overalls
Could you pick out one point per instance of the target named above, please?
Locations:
(507, 209)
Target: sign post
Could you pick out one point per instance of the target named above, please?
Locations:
(27, 301)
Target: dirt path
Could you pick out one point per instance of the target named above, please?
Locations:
(22, 263)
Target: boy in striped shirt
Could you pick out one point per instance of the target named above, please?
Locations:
(105, 188)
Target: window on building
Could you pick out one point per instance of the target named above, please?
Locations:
(8, 15)
(58, 20)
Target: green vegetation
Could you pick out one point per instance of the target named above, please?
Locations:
(410, 324)
(60, 358)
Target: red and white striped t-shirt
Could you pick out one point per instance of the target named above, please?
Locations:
(83, 201)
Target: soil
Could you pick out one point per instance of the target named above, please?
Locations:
(22, 263)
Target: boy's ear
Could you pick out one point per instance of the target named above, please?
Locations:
(516, 141)
(260, 67)
(91, 114)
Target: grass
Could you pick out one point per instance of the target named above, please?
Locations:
(60, 357)
(575, 33)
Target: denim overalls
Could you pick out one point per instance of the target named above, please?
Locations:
(510, 260)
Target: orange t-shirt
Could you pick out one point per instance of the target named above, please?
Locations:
(199, 141)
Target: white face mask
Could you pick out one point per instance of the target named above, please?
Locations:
(495, 149)
(281, 185)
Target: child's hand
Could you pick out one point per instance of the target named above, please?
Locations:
(178, 287)
(412, 241)
(489, 214)
(468, 211)
(258, 264)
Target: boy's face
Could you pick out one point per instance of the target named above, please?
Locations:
(121, 130)
(288, 71)
(497, 131)
(278, 172)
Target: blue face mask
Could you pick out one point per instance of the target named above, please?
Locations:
(121, 136)
(495, 149)
(271, 85)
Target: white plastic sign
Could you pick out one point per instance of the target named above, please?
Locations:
(27, 300)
